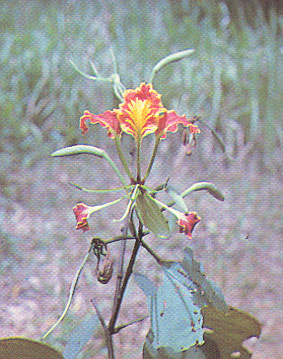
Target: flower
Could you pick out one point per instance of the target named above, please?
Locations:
(141, 114)
(82, 212)
(187, 223)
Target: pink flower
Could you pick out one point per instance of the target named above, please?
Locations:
(187, 223)
(82, 212)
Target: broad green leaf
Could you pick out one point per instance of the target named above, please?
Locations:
(175, 310)
(80, 336)
(207, 291)
(151, 216)
(25, 348)
(227, 331)
(145, 284)
(167, 353)
(176, 321)
(177, 198)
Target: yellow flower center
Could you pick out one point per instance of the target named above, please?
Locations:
(139, 113)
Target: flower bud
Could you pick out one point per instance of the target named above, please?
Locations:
(105, 273)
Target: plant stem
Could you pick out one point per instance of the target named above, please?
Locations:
(154, 152)
(71, 294)
(122, 326)
(121, 156)
(108, 338)
(119, 297)
(158, 259)
(138, 159)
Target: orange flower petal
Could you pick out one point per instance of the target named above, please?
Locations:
(107, 119)
(169, 123)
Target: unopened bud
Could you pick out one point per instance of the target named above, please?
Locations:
(189, 142)
(105, 273)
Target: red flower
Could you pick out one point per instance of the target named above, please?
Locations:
(187, 223)
(141, 114)
(82, 212)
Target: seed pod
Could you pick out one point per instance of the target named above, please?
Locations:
(105, 273)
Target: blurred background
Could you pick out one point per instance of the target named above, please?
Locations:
(233, 81)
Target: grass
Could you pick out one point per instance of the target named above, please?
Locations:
(233, 80)
(235, 73)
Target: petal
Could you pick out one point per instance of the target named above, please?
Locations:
(83, 225)
(193, 129)
(188, 222)
(107, 119)
(144, 92)
(82, 212)
(139, 113)
(169, 123)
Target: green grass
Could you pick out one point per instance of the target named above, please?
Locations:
(235, 73)
(233, 80)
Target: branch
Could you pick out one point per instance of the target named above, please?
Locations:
(108, 338)
(72, 292)
(119, 294)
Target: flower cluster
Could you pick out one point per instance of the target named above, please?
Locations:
(141, 113)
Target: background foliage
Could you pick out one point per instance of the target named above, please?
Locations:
(234, 81)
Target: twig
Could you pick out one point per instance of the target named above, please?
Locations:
(72, 292)
(128, 273)
(122, 326)
(116, 305)
(158, 259)
(108, 337)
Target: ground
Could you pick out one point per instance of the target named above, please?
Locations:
(237, 241)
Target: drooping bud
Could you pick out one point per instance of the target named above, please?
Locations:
(105, 273)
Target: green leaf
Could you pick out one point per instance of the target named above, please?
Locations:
(25, 348)
(175, 310)
(227, 331)
(208, 186)
(207, 291)
(149, 352)
(177, 198)
(167, 353)
(145, 284)
(91, 150)
(176, 321)
(151, 216)
(80, 336)
(177, 56)
(78, 150)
